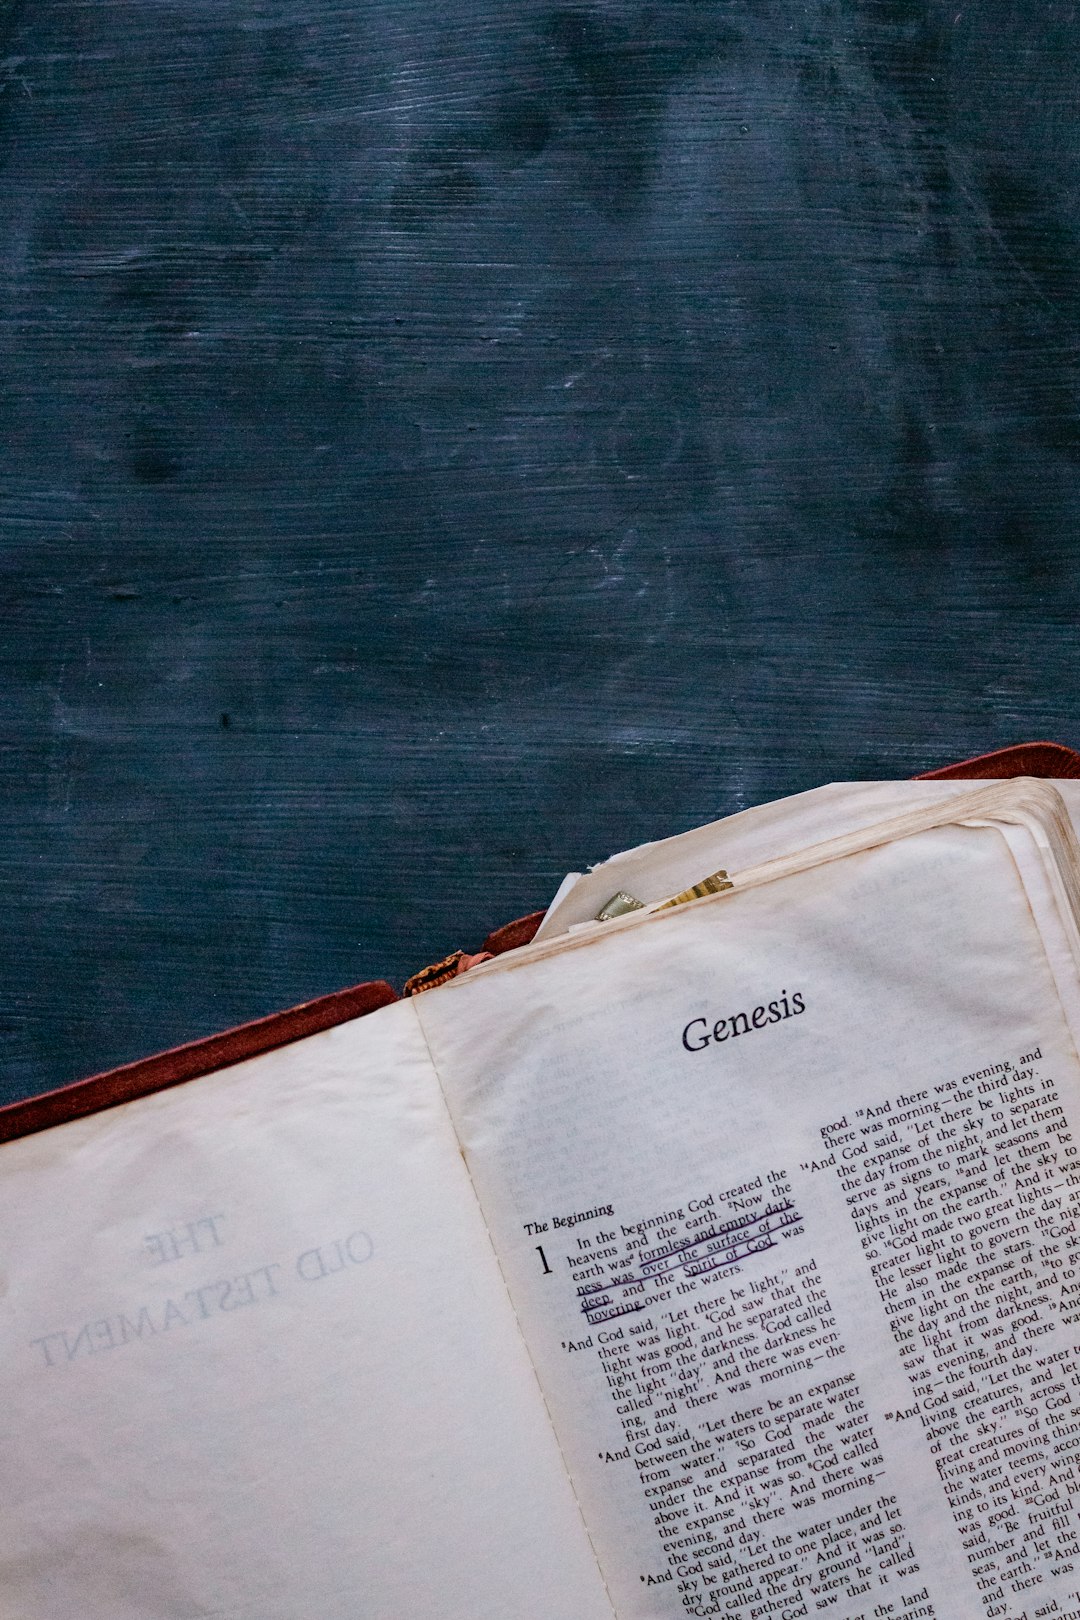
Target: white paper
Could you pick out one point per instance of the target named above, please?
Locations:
(666, 867)
(258, 1360)
(689, 1211)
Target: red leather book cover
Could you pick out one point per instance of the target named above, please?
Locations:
(190, 1061)
(1047, 759)
(197, 1058)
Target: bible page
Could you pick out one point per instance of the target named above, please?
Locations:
(259, 1361)
(784, 1183)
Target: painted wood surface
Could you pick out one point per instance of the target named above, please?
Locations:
(444, 441)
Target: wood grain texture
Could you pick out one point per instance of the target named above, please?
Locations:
(444, 441)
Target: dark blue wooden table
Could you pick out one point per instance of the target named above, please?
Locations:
(446, 440)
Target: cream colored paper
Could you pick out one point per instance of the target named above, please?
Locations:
(766, 832)
(588, 1124)
(258, 1360)
(259, 1357)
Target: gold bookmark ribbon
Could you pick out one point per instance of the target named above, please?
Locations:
(622, 903)
(716, 883)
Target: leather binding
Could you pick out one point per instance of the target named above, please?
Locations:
(190, 1061)
(1047, 759)
(202, 1057)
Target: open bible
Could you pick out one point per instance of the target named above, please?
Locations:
(720, 1259)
